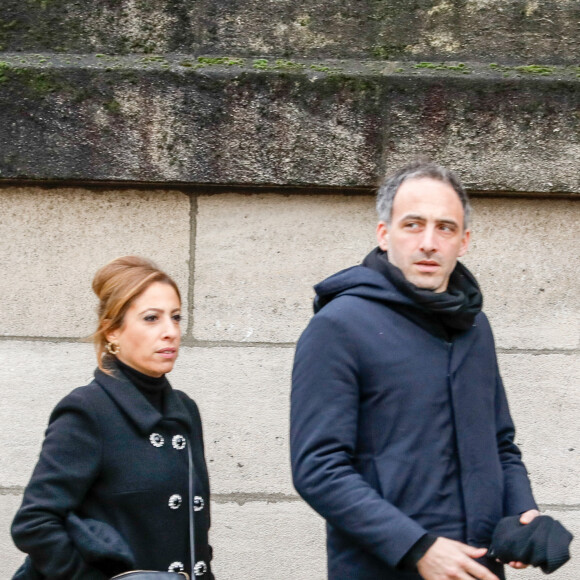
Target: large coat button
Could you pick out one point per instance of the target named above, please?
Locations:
(156, 440)
(178, 442)
(200, 568)
(175, 501)
(198, 503)
(176, 567)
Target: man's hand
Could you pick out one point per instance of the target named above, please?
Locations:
(525, 518)
(450, 560)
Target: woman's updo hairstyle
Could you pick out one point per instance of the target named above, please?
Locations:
(117, 285)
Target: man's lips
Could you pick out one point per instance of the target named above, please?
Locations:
(427, 265)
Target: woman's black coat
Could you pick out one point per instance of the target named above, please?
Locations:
(110, 456)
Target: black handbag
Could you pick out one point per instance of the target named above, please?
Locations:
(151, 574)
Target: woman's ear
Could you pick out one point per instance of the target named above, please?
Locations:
(110, 335)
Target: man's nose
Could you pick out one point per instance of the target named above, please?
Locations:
(429, 240)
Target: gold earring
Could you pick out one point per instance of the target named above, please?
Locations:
(113, 348)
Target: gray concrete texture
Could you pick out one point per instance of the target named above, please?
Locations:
(244, 395)
(248, 262)
(536, 305)
(56, 239)
(11, 557)
(257, 257)
(500, 30)
(171, 118)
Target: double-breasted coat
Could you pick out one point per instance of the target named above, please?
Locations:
(382, 413)
(110, 456)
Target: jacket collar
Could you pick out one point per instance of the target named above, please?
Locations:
(136, 406)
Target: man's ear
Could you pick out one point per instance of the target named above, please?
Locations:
(383, 236)
(464, 243)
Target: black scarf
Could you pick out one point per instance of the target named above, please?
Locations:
(441, 313)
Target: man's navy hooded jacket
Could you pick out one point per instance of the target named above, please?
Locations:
(396, 432)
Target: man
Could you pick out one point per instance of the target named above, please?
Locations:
(401, 436)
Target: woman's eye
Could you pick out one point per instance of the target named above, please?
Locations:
(177, 317)
(151, 318)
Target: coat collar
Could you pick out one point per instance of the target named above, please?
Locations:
(136, 406)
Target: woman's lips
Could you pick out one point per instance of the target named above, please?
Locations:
(168, 352)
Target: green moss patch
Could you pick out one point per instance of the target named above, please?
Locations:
(460, 67)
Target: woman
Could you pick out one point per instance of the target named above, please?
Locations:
(111, 490)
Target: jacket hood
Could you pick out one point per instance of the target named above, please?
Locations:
(358, 281)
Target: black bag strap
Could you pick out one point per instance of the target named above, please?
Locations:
(190, 502)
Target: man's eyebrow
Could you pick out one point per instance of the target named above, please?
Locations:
(419, 217)
(413, 216)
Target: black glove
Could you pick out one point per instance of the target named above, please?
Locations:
(544, 542)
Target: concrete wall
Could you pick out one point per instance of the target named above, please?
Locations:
(237, 143)
(245, 263)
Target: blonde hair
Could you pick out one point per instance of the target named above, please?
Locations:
(117, 284)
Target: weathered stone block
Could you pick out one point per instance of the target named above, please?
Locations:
(267, 540)
(543, 395)
(525, 256)
(512, 30)
(243, 395)
(12, 558)
(300, 550)
(273, 121)
(293, 533)
(255, 284)
(54, 240)
(257, 258)
(39, 375)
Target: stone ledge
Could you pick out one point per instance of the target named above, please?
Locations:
(229, 120)
(502, 30)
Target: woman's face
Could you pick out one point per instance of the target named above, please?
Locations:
(150, 335)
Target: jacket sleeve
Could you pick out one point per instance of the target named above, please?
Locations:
(518, 496)
(323, 440)
(68, 464)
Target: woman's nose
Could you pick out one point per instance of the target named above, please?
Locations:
(171, 329)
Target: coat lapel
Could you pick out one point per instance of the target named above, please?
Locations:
(137, 407)
(461, 348)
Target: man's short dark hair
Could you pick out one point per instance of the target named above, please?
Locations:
(416, 170)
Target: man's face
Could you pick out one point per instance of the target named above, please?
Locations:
(426, 234)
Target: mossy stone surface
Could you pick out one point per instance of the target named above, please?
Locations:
(295, 123)
(504, 31)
